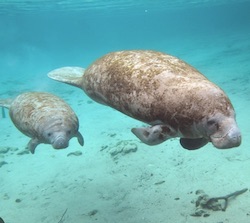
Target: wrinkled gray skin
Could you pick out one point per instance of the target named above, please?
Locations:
(171, 96)
(44, 118)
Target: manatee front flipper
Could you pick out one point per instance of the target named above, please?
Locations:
(80, 138)
(32, 145)
(192, 144)
(154, 135)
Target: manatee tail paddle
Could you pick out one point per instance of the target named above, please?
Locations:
(5, 103)
(69, 75)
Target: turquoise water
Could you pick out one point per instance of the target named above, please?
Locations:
(38, 36)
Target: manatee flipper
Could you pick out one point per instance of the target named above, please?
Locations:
(69, 75)
(192, 144)
(33, 143)
(80, 138)
(154, 135)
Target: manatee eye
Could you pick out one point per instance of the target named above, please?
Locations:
(69, 132)
(212, 124)
(49, 134)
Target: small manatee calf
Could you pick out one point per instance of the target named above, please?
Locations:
(45, 118)
(174, 98)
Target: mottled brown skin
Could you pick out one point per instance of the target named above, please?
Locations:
(45, 118)
(143, 85)
(163, 91)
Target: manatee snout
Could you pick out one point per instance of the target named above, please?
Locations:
(60, 143)
(234, 137)
(230, 140)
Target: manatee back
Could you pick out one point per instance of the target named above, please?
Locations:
(136, 73)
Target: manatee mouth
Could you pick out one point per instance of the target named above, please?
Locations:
(60, 143)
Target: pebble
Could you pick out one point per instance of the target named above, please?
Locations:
(2, 163)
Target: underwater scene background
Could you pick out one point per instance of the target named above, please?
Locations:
(115, 177)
